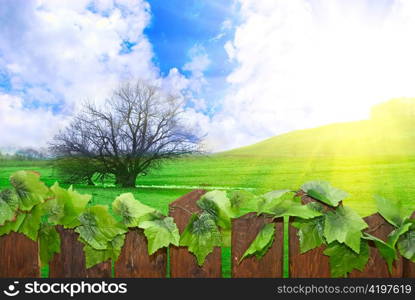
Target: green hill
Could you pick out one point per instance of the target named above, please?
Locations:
(361, 138)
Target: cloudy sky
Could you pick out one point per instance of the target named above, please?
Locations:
(250, 69)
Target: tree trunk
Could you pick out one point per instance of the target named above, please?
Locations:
(126, 180)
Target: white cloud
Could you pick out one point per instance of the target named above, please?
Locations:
(23, 127)
(60, 52)
(306, 63)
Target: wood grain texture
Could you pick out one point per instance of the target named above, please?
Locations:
(70, 262)
(313, 263)
(244, 232)
(376, 266)
(19, 257)
(183, 264)
(408, 266)
(135, 262)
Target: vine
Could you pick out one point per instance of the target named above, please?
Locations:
(33, 209)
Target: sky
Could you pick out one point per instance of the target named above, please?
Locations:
(248, 69)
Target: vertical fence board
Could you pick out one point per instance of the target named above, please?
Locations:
(183, 264)
(376, 266)
(135, 262)
(409, 266)
(19, 257)
(70, 262)
(244, 231)
(313, 263)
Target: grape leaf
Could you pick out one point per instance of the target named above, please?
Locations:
(395, 234)
(269, 200)
(343, 259)
(392, 211)
(131, 210)
(9, 203)
(323, 191)
(66, 207)
(242, 202)
(406, 245)
(112, 251)
(12, 226)
(386, 251)
(160, 233)
(29, 188)
(310, 233)
(201, 235)
(218, 205)
(49, 243)
(261, 243)
(279, 205)
(98, 227)
(31, 224)
(344, 225)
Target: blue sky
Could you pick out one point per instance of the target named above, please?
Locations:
(248, 69)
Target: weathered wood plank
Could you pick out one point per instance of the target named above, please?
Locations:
(408, 266)
(70, 262)
(183, 264)
(19, 257)
(135, 262)
(244, 232)
(313, 263)
(376, 266)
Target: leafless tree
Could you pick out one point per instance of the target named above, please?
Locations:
(137, 129)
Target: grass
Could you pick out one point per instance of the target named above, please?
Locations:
(363, 158)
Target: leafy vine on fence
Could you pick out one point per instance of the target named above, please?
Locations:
(33, 209)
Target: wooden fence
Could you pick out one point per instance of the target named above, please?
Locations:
(19, 255)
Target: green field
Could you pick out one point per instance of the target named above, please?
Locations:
(363, 158)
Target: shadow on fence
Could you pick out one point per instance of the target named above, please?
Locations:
(19, 256)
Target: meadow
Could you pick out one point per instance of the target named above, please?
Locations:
(360, 158)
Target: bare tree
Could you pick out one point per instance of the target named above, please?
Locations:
(138, 128)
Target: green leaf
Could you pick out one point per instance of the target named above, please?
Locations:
(263, 241)
(310, 233)
(323, 191)
(98, 227)
(392, 210)
(269, 200)
(112, 251)
(345, 226)
(394, 235)
(406, 245)
(49, 243)
(201, 235)
(30, 190)
(160, 233)
(386, 251)
(131, 210)
(66, 207)
(31, 224)
(218, 205)
(12, 226)
(9, 203)
(278, 204)
(343, 259)
(242, 202)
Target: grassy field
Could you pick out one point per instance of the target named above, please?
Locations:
(363, 158)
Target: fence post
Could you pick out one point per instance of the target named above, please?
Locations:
(183, 264)
(135, 262)
(19, 257)
(244, 231)
(408, 266)
(70, 262)
(313, 263)
(376, 266)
